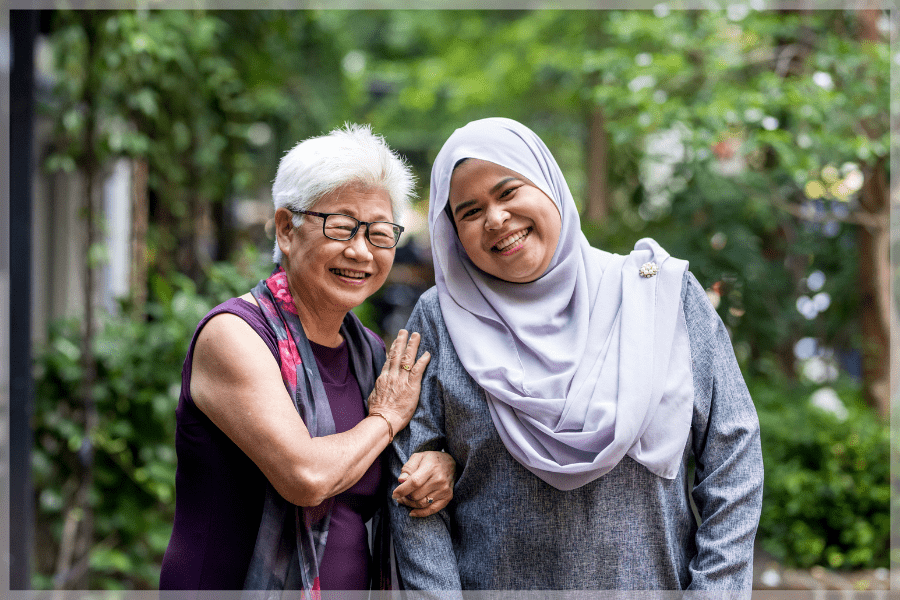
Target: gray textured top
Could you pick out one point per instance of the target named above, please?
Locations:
(627, 530)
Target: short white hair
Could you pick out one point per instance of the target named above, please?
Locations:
(350, 155)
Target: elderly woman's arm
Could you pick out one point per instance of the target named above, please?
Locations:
(424, 549)
(729, 475)
(237, 383)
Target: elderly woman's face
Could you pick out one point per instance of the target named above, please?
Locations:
(508, 227)
(339, 275)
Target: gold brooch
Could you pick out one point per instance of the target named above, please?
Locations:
(649, 269)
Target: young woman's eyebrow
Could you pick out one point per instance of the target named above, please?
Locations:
(462, 205)
(494, 189)
(501, 183)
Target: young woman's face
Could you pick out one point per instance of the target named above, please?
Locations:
(508, 227)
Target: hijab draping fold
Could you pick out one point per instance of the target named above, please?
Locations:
(583, 366)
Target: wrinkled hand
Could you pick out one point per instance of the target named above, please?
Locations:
(396, 392)
(426, 475)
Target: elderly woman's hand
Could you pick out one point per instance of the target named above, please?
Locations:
(426, 476)
(396, 392)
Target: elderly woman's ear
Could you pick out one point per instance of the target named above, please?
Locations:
(283, 225)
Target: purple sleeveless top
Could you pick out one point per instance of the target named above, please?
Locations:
(220, 492)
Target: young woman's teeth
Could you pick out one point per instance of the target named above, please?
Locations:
(509, 241)
(350, 274)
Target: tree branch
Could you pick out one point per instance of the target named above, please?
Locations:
(871, 221)
(76, 571)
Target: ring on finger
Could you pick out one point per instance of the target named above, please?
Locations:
(406, 367)
(429, 500)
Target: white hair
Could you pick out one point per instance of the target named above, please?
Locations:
(349, 155)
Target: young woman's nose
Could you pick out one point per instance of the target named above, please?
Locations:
(496, 216)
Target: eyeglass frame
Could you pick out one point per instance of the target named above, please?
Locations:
(359, 223)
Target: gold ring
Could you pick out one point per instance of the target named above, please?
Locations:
(429, 500)
(405, 367)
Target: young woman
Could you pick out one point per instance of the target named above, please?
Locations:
(572, 386)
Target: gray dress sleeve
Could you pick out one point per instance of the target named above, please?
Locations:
(425, 557)
(725, 442)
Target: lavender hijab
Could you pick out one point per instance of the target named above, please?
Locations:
(584, 366)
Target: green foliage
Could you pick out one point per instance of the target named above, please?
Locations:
(754, 120)
(138, 384)
(754, 262)
(827, 491)
(210, 100)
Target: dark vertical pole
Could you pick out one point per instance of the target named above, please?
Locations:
(23, 28)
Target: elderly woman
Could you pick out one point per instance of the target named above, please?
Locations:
(572, 386)
(287, 401)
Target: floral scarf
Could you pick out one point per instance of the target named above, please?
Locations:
(291, 539)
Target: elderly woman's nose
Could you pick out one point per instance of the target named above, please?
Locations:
(358, 247)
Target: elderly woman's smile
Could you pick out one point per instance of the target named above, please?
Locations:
(355, 277)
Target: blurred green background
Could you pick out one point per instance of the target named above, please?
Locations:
(754, 144)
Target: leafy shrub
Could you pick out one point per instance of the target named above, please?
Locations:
(827, 491)
(133, 447)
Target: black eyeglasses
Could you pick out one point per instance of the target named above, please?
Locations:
(335, 226)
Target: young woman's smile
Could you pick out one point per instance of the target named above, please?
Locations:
(508, 227)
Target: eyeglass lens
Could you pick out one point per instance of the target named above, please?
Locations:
(342, 227)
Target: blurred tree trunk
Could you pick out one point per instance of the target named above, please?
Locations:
(598, 203)
(220, 215)
(187, 246)
(875, 288)
(875, 261)
(191, 222)
(224, 230)
(78, 528)
(163, 260)
(203, 237)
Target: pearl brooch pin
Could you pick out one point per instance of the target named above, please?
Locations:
(649, 269)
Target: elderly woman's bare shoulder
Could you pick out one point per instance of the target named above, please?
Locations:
(230, 354)
(227, 333)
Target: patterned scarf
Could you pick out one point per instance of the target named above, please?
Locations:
(291, 539)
